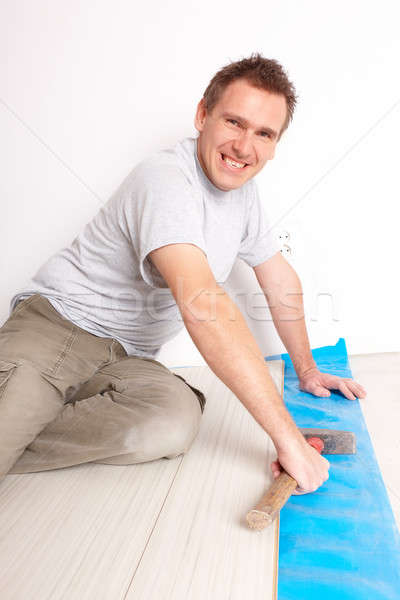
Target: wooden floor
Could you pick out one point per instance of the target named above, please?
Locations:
(380, 375)
(170, 529)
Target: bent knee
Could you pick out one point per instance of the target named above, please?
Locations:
(163, 390)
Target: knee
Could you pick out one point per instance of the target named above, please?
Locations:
(169, 415)
(183, 418)
(164, 391)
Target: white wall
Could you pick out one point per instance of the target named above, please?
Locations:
(89, 88)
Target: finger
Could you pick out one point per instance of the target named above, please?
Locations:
(349, 388)
(314, 387)
(361, 387)
(275, 473)
(357, 389)
(319, 390)
(346, 391)
(299, 492)
(276, 468)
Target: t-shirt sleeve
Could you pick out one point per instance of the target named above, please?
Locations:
(165, 209)
(258, 243)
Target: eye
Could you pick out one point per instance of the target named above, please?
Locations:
(232, 121)
(265, 134)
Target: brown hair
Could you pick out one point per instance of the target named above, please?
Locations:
(262, 73)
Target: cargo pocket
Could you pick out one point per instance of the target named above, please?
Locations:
(6, 370)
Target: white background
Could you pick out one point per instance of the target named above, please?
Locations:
(90, 88)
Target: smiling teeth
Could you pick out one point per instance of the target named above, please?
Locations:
(233, 163)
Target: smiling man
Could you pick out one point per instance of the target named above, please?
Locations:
(239, 135)
(79, 377)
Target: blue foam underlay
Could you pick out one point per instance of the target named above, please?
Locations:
(340, 542)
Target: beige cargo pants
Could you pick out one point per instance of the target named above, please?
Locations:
(69, 397)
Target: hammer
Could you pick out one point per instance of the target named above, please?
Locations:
(325, 441)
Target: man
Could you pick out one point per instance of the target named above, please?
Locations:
(77, 355)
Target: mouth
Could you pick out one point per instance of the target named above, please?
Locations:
(231, 164)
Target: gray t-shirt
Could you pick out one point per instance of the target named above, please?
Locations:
(104, 281)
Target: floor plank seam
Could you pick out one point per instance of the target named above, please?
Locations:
(128, 590)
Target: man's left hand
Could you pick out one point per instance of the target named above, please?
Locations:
(319, 384)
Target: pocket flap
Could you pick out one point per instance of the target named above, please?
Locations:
(6, 366)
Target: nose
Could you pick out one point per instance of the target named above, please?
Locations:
(242, 146)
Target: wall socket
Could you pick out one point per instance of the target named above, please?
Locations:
(283, 236)
(284, 240)
(286, 250)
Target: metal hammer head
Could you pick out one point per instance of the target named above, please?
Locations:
(335, 442)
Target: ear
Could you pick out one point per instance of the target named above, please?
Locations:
(200, 116)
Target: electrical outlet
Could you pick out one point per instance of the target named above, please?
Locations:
(284, 236)
(286, 250)
(288, 234)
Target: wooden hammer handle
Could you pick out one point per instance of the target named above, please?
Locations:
(271, 503)
(277, 495)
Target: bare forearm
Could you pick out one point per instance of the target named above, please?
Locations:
(284, 295)
(232, 353)
(291, 327)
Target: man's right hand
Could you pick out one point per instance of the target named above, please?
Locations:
(304, 464)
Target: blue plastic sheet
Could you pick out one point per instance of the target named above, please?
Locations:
(340, 542)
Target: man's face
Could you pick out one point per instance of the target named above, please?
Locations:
(244, 126)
